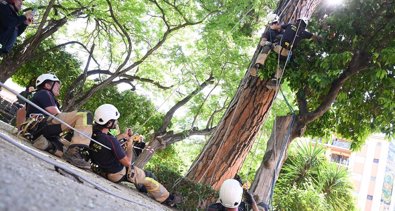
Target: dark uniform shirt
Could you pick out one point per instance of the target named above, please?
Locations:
(11, 26)
(289, 35)
(43, 98)
(107, 160)
(273, 36)
(220, 207)
(25, 94)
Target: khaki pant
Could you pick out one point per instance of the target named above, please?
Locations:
(78, 120)
(278, 49)
(137, 176)
(20, 116)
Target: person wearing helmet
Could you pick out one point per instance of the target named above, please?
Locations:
(272, 35)
(11, 24)
(115, 162)
(293, 34)
(47, 136)
(230, 198)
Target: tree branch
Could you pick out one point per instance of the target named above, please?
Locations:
(171, 138)
(170, 113)
(125, 33)
(211, 119)
(358, 63)
(302, 102)
(201, 105)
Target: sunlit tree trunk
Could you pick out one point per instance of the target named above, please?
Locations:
(227, 149)
(275, 155)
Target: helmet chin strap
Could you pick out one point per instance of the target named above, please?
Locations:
(113, 125)
(51, 89)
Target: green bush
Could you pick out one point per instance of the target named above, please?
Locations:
(195, 196)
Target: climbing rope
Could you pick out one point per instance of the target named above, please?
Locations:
(283, 148)
(201, 154)
(287, 136)
(66, 168)
(160, 106)
(231, 121)
(52, 116)
(254, 153)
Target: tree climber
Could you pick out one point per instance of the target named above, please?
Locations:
(293, 34)
(116, 163)
(230, 196)
(12, 25)
(271, 36)
(46, 134)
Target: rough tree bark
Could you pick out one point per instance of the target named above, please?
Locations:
(227, 149)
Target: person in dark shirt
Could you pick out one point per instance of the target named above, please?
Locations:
(292, 35)
(48, 88)
(230, 198)
(269, 37)
(12, 25)
(115, 162)
(27, 93)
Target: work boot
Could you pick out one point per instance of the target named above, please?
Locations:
(41, 143)
(272, 84)
(172, 200)
(73, 156)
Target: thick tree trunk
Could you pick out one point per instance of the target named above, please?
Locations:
(227, 149)
(275, 155)
(8, 66)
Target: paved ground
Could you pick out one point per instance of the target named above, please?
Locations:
(28, 183)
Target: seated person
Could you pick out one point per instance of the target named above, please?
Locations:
(46, 135)
(115, 162)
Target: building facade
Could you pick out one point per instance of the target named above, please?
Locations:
(372, 171)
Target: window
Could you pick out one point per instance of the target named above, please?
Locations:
(375, 160)
(369, 197)
(341, 159)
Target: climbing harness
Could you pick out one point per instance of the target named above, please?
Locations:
(51, 116)
(31, 127)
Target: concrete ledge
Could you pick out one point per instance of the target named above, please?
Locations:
(7, 127)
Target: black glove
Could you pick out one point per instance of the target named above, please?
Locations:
(249, 199)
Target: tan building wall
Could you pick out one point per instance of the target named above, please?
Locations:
(368, 168)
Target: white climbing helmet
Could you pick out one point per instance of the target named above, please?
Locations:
(304, 19)
(272, 18)
(105, 113)
(46, 77)
(230, 193)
